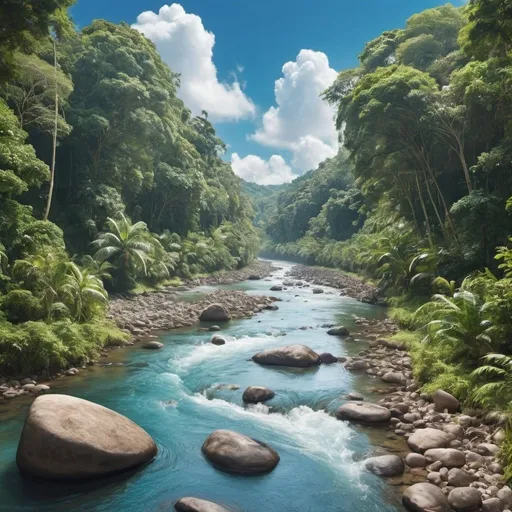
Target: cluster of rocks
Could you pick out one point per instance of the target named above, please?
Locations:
(160, 311)
(454, 456)
(10, 389)
(257, 269)
(348, 285)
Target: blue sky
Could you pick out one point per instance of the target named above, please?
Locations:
(253, 40)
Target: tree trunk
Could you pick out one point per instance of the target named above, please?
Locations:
(54, 147)
(425, 213)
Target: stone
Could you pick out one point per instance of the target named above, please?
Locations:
(454, 429)
(298, 356)
(317, 291)
(68, 438)
(253, 277)
(71, 372)
(385, 465)
(355, 396)
(444, 400)
(492, 505)
(276, 288)
(505, 495)
(425, 497)
(196, 505)
(153, 345)
(217, 340)
(465, 499)
(449, 457)
(363, 413)
(271, 307)
(395, 378)
(214, 328)
(40, 388)
(327, 358)
(339, 331)
(257, 394)
(459, 478)
(236, 453)
(488, 448)
(434, 478)
(415, 460)
(428, 438)
(215, 313)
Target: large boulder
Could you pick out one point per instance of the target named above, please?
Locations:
(449, 457)
(339, 331)
(363, 413)
(460, 478)
(426, 438)
(298, 356)
(215, 313)
(424, 497)
(444, 400)
(415, 460)
(67, 438)
(385, 465)
(328, 358)
(196, 505)
(236, 453)
(257, 394)
(465, 499)
(395, 378)
(218, 340)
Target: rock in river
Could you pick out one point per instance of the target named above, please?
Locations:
(338, 331)
(153, 345)
(363, 412)
(424, 497)
(217, 340)
(197, 505)
(426, 438)
(298, 356)
(257, 394)
(215, 313)
(236, 453)
(385, 465)
(67, 438)
(328, 358)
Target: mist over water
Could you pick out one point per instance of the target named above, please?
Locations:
(188, 390)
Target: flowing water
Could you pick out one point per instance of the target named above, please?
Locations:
(180, 397)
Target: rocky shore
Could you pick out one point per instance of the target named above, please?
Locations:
(348, 285)
(453, 462)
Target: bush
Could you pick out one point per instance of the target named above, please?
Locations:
(21, 306)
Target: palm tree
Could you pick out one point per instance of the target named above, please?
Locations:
(84, 293)
(499, 370)
(98, 269)
(461, 323)
(127, 246)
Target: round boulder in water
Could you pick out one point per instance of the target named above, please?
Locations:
(254, 277)
(276, 288)
(328, 358)
(215, 313)
(218, 340)
(424, 497)
(67, 438)
(363, 413)
(257, 394)
(339, 331)
(236, 453)
(196, 505)
(153, 345)
(317, 291)
(298, 356)
(385, 465)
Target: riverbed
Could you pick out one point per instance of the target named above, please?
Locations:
(182, 393)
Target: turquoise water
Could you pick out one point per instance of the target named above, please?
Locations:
(178, 399)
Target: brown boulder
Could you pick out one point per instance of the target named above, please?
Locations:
(67, 438)
(363, 412)
(215, 313)
(257, 394)
(196, 505)
(424, 497)
(298, 356)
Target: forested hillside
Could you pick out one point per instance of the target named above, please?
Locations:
(419, 195)
(106, 181)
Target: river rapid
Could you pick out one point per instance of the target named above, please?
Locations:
(179, 397)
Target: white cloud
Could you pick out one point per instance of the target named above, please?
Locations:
(301, 121)
(187, 47)
(256, 170)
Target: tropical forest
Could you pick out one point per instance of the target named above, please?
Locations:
(184, 328)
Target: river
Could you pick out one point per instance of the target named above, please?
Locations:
(176, 398)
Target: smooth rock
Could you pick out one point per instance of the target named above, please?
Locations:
(40, 388)
(236, 453)
(415, 460)
(67, 438)
(338, 331)
(488, 449)
(215, 313)
(327, 358)
(276, 288)
(317, 291)
(385, 465)
(492, 505)
(299, 356)
(465, 499)
(217, 340)
(395, 378)
(257, 394)
(197, 505)
(153, 345)
(444, 400)
(459, 478)
(449, 457)
(428, 438)
(363, 412)
(425, 497)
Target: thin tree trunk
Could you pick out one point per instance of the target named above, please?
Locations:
(425, 213)
(55, 127)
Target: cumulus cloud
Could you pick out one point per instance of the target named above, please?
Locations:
(187, 47)
(301, 121)
(256, 170)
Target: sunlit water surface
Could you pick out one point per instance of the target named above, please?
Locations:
(178, 399)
